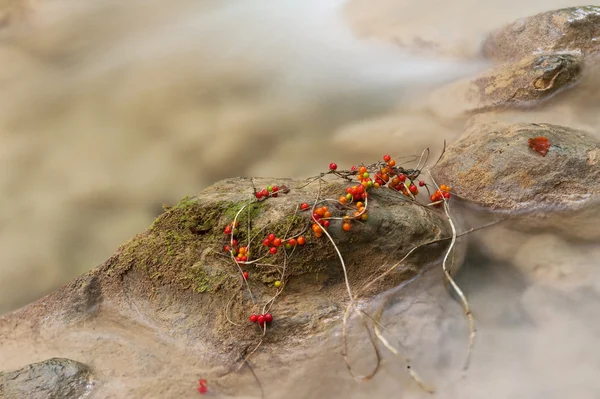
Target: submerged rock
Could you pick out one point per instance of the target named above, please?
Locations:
(567, 29)
(51, 379)
(524, 83)
(492, 166)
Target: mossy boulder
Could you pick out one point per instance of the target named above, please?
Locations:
(177, 278)
(567, 29)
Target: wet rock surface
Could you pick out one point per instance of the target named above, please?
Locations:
(567, 29)
(524, 83)
(493, 167)
(50, 379)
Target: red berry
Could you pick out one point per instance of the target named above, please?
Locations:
(413, 189)
(261, 320)
(268, 317)
(387, 158)
(264, 193)
(266, 242)
(202, 389)
(244, 258)
(253, 318)
(277, 242)
(273, 250)
(402, 177)
(271, 237)
(258, 195)
(446, 194)
(353, 168)
(202, 382)
(226, 248)
(245, 274)
(348, 190)
(421, 183)
(326, 223)
(360, 189)
(304, 206)
(292, 242)
(275, 189)
(316, 216)
(301, 240)
(333, 166)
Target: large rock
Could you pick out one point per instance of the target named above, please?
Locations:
(567, 29)
(171, 298)
(51, 379)
(524, 83)
(492, 166)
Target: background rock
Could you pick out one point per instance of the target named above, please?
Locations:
(51, 379)
(492, 167)
(567, 29)
(524, 83)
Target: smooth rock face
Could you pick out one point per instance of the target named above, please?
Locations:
(524, 83)
(567, 29)
(54, 378)
(492, 166)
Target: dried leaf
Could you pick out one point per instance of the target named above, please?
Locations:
(539, 144)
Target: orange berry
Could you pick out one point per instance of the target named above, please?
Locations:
(395, 181)
(343, 200)
(327, 214)
(317, 229)
(362, 170)
(318, 234)
(392, 163)
(346, 227)
(364, 217)
(385, 177)
(357, 214)
(359, 204)
(365, 183)
(301, 240)
(325, 209)
(320, 211)
(376, 185)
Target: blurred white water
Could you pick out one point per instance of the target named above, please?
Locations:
(109, 109)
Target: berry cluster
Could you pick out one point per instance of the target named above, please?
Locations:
(272, 242)
(443, 192)
(231, 228)
(261, 319)
(270, 191)
(320, 222)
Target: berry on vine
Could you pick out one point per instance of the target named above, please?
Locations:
(332, 166)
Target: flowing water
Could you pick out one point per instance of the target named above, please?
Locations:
(110, 109)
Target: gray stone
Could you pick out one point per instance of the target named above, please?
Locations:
(567, 29)
(52, 378)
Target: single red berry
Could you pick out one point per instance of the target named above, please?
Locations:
(353, 168)
(333, 166)
(271, 237)
(258, 195)
(273, 250)
(266, 242)
(316, 216)
(253, 318)
(292, 241)
(413, 189)
(226, 248)
(402, 177)
(446, 194)
(264, 193)
(235, 243)
(202, 382)
(268, 317)
(304, 206)
(326, 223)
(202, 389)
(387, 158)
(275, 189)
(261, 320)
(244, 258)
(277, 242)
(421, 183)
(245, 274)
